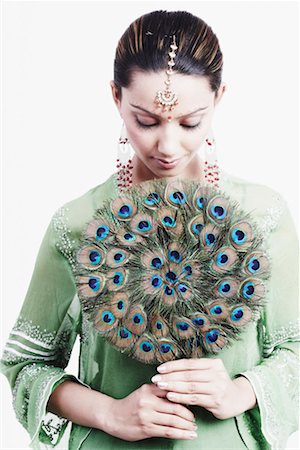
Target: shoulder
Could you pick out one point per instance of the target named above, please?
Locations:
(265, 203)
(73, 216)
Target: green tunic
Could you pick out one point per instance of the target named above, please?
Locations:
(40, 343)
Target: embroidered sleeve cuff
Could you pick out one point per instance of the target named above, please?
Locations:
(33, 387)
(275, 384)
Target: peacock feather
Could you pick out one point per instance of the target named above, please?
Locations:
(171, 269)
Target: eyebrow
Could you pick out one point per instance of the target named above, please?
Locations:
(158, 117)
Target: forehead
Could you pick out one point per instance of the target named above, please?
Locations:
(193, 91)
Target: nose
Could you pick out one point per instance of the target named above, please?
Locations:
(168, 145)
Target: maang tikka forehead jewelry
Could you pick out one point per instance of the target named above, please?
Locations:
(167, 99)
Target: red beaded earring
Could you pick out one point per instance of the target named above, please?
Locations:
(211, 168)
(124, 161)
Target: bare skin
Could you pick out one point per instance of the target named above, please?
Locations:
(151, 413)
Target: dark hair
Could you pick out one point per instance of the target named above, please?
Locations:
(145, 44)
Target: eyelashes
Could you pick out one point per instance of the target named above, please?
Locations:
(148, 127)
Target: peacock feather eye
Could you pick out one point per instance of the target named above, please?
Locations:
(253, 265)
(117, 257)
(107, 317)
(174, 256)
(156, 281)
(171, 277)
(182, 326)
(90, 286)
(248, 290)
(159, 325)
(168, 221)
(152, 199)
(209, 236)
(212, 336)
(218, 209)
(237, 314)
(177, 198)
(225, 260)
(142, 224)
(123, 333)
(184, 291)
(90, 257)
(240, 235)
(199, 321)
(165, 348)
(187, 270)
(137, 319)
(196, 226)
(102, 232)
(129, 237)
(216, 310)
(256, 264)
(201, 196)
(94, 283)
(182, 288)
(146, 346)
(201, 202)
(227, 287)
(123, 208)
(116, 278)
(157, 262)
(252, 289)
(210, 239)
(98, 230)
(94, 257)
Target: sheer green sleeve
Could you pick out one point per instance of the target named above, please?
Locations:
(40, 343)
(276, 379)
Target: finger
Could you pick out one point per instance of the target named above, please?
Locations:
(206, 401)
(190, 364)
(187, 388)
(167, 407)
(171, 433)
(157, 391)
(203, 376)
(173, 421)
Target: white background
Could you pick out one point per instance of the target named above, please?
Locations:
(60, 126)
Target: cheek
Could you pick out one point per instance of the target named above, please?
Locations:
(194, 139)
(139, 139)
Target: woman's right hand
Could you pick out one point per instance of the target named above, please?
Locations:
(147, 413)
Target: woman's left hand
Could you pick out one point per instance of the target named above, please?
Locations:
(205, 382)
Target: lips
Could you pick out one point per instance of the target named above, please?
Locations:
(167, 164)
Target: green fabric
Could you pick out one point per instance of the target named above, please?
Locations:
(39, 346)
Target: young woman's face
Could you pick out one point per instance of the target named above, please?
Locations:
(153, 137)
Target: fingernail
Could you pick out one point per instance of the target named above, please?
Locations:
(193, 435)
(195, 427)
(171, 396)
(161, 369)
(162, 384)
(156, 378)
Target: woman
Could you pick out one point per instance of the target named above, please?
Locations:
(245, 397)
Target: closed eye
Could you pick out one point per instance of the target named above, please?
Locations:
(192, 126)
(145, 126)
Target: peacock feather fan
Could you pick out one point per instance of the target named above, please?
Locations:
(171, 269)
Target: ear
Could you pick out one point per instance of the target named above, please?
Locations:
(115, 94)
(220, 93)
